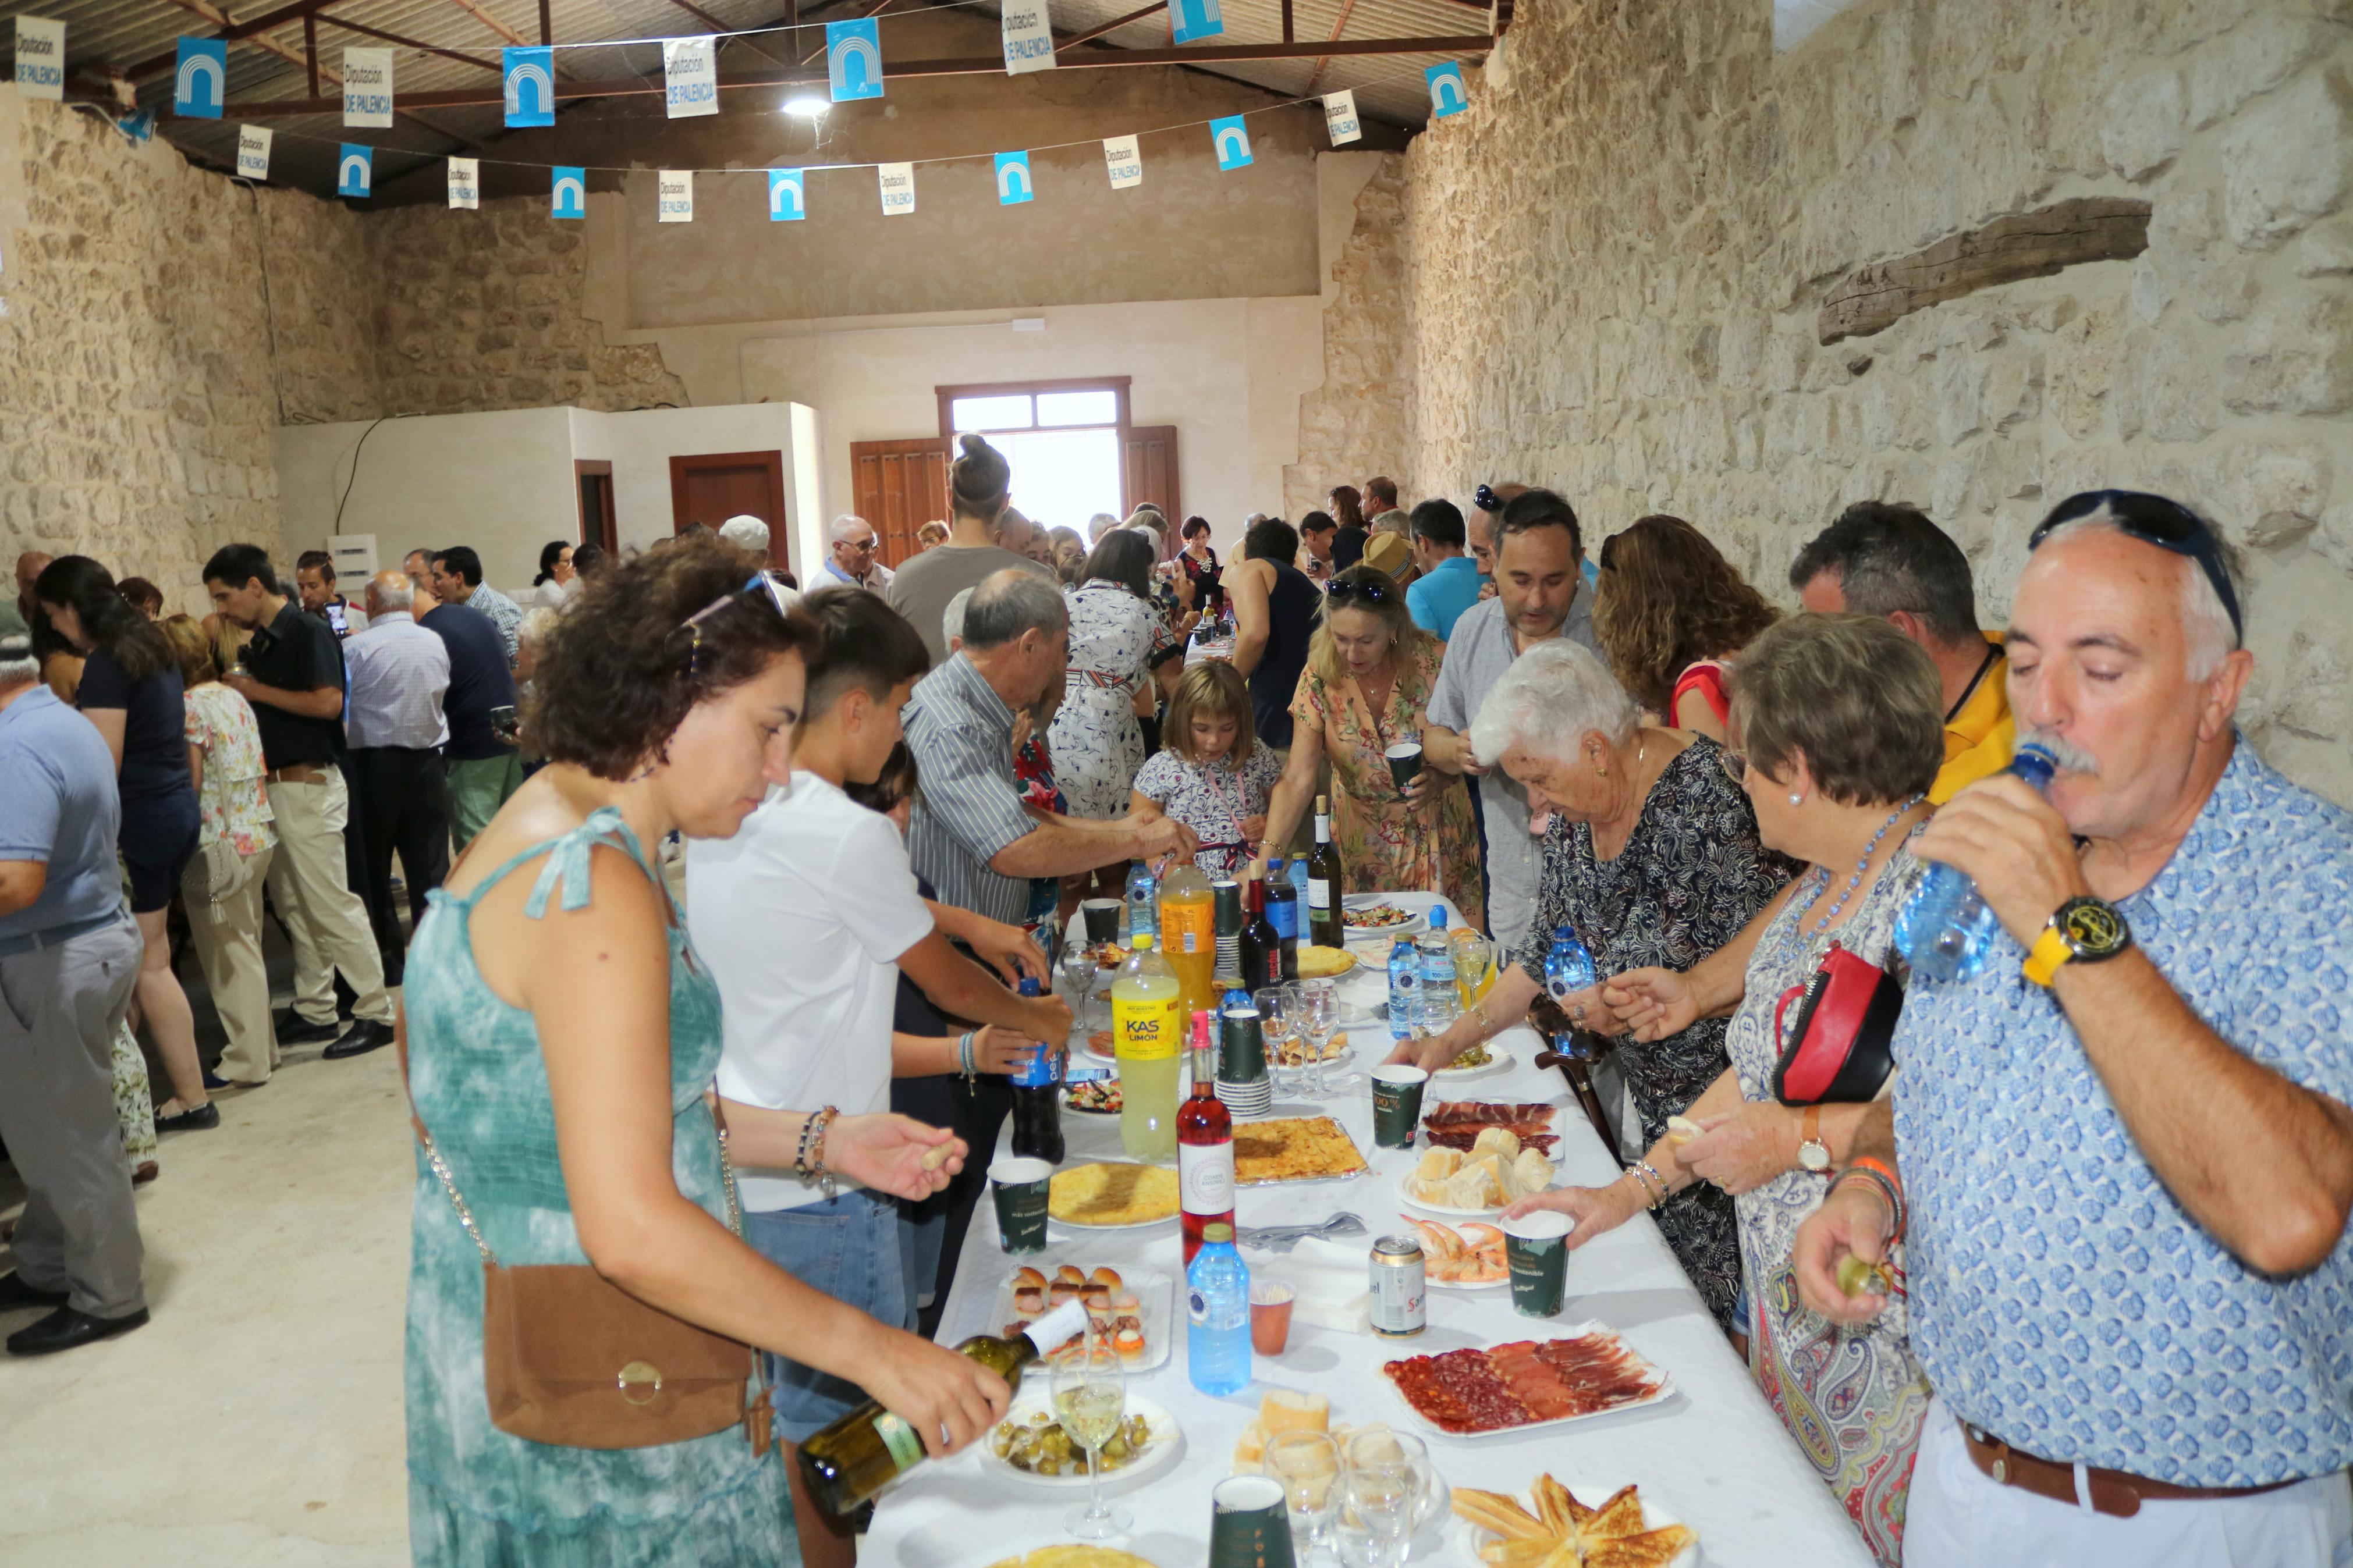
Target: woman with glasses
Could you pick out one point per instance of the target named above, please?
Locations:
(1367, 688)
(1653, 858)
(1841, 722)
(560, 1040)
(1670, 613)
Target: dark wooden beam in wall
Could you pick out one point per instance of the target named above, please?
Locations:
(977, 64)
(310, 51)
(2023, 244)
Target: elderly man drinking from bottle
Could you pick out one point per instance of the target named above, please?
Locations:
(2120, 1155)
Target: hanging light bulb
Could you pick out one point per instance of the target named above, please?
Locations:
(806, 106)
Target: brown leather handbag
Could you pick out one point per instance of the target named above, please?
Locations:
(569, 1358)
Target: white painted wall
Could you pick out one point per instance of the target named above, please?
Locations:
(503, 482)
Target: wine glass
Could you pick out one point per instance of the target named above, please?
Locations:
(1277, 1022)
(1090, 1398)
(1079, 979)
(1319, 1021)
(1389, 1474)
(1308, 1466)
(1474, 957)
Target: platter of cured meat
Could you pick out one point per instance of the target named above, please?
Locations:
(1587, 1371)
(1457, 1123)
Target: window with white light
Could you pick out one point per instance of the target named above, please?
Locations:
(1062, 439)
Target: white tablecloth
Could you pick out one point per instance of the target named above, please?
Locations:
(1714, 1454)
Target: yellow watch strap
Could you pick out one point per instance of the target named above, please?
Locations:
(2044, 959)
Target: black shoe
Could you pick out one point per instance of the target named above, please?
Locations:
(293, 1029)
(65, 1329)
(15, 1295)
(362, 1037)
(203, 1119)
(214, 1083)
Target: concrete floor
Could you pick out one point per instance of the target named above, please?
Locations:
(256, 1422)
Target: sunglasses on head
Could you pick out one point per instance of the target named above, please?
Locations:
(760, 587)
(1485, 499)
(2153, 519)
(1608, 549)
(1371, 593)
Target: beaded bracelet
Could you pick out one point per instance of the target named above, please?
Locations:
(964, 1062)
(812, 1161)
(1879, 1183)
(1642, 1169)
(1887, 1174)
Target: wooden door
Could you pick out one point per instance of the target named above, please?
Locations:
(898, 487)
(1149, 468)
(598, 524)
(709, 488)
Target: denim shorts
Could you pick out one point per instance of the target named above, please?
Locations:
(846, 1246)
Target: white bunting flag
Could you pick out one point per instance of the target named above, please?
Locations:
(466, 183)
(253, 152)
(1028, 32)
(1126, 162)
(691, 77)
(898, 182)
(1340, 116)
(367, 86)
(41, 58)
(676, 194)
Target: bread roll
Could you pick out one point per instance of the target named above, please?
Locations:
(1107, 1278)
(1249, 1449)
(1068, 1274)
(1474, 1187)
(1500, 1141)
(1531, 1173)
(1285, 1410)
(1027, 1278)
(1437, 1164)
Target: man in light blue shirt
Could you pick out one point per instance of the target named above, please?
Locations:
(69, 954)
(1449, 583)
(2126, 1151)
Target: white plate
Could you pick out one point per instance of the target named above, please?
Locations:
(1435, 1283)
(1155, 1289)
(1653, 1516)
(1498, 1060)
(1346, 1054)
(1383, 933)
(1664, 1387)
(1160, 1449)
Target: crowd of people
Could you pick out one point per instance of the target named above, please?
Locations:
(2046, 1263)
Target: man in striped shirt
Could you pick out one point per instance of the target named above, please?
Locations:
(971, 836)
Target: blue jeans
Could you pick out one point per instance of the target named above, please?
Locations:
(846, 1246)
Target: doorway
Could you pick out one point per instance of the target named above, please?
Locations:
(599, 524)
(712, 487)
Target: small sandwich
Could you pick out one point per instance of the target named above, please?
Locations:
(1129, 1344)
(1069, 1274)
(1028, 1301)
(1107, 1278)
(1027, 1279)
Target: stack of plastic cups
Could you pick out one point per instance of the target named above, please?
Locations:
(1243, 1083)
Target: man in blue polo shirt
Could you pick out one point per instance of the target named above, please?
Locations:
(1449, 583)
(2126, 1151)
(69, 954)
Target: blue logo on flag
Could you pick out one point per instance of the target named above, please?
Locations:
(853, 59)
(568, 193)
(1231, 138)
(787, 196)
(1013, 186)
(1446, 93)
(354, 170)
(1191, 19)
(202, 84)
(531, 86)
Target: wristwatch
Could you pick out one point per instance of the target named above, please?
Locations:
(2085, 929)
(1812, 1153)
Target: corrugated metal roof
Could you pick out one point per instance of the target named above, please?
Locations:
(104, 37)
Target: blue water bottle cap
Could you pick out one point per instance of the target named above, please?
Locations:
(1438, 917)
(2034, 764)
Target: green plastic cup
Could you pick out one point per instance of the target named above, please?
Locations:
(1249, 1524)
(1396, 1104)
(1536, 1251)
(1020, 1188)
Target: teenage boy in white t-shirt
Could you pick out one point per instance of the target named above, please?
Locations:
(805, 918)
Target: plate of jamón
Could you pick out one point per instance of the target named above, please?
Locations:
(1457, 1123)
(1586, 1372)
(1625, 1530)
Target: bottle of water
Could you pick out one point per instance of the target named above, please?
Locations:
(1217, 1306)
(1947, 930)
(1438, 1000)
(1405, 989)
(1142, 903)
(1569, 968)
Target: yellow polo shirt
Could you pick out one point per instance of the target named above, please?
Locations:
(1979, 736)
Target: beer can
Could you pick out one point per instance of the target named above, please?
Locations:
(1399, 1309)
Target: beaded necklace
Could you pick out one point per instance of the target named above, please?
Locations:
(1860, 866)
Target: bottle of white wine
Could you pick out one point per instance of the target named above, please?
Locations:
(1326, 884)
(866, 1450)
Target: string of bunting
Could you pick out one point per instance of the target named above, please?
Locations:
(690, 87)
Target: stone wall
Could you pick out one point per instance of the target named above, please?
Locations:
(1614, 261)
(137, 385)
(1354, 426)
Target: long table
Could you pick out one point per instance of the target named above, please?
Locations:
(1714, 1454)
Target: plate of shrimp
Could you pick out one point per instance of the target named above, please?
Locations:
(1463, 1258)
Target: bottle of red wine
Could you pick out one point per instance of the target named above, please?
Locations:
(1205, 1146)
(1261, 944)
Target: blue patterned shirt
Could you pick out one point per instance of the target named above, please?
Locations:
(2061, 1298)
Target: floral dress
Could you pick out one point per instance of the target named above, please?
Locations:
(1853, 1398)
(1386, 845)
(235, 802)
(1096, 742)
(1691, 874)
(1212, 801)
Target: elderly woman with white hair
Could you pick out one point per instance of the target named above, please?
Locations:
(1653, 858)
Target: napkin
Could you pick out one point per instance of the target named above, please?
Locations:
(1331, 1281)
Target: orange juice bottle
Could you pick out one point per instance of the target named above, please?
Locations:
(1188, 937)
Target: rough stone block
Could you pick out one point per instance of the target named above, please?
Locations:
(2142, 131)
(2162, 389)
(2252, 57)
(2288, 160)
(2296, 357)
(2327, 247)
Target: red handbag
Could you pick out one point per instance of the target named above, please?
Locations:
(1840, 1047)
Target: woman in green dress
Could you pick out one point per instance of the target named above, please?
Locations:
(560, 1038)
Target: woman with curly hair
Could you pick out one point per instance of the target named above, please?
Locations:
(1670, 612)
(560, 1040)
